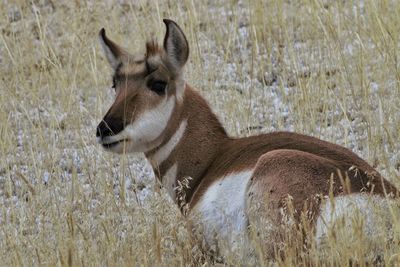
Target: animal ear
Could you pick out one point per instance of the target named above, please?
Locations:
(113, 52)
(176, 45)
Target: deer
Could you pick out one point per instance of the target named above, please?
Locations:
(231, 182)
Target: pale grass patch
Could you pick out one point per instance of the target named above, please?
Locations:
(325, 68)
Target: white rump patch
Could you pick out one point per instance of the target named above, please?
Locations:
(169, 180)
(221, 209)
(354, 219)
(163, 152)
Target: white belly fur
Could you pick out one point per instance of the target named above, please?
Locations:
(221, 210)
(223, 221)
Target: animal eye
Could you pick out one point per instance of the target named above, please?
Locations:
(158, 87)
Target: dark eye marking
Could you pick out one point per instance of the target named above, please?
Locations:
(157, 86)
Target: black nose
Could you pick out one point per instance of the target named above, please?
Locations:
(109, 127)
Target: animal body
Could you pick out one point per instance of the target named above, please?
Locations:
(234, 182)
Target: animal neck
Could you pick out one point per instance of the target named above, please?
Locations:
(192, 142)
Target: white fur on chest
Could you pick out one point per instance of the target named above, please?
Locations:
(221, 210)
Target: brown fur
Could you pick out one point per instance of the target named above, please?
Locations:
(206, 153)
(284, 164)
(132, 75)
(243, 153)
(199, 145)
(152, 48)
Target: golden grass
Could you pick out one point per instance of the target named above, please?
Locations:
(324, 68)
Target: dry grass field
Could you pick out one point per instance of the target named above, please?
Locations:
(330, 69)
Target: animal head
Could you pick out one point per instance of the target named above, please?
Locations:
(148, 89)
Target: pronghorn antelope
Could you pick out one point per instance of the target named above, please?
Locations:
(156, 112)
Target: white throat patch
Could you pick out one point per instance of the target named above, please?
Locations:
(147, 127)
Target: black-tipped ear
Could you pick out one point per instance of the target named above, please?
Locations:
(113, 52)
(176, 45)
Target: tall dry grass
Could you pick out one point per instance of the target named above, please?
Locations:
(325, 68)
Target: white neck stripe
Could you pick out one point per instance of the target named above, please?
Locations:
(163, 152)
